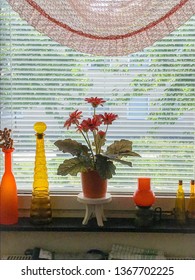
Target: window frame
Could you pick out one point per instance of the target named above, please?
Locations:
(65, 200)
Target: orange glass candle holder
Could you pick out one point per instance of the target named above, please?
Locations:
(144, 196)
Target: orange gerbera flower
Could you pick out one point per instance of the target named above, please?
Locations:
(101, 133)
(73, 119)
(108, 118)
(90, 124)
(95, 101)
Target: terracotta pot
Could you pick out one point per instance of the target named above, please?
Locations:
(93, 185)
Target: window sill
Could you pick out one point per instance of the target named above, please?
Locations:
(112, 225)
(68, 202)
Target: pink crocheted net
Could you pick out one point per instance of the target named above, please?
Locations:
(105, 27)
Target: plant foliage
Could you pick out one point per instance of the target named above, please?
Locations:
(92, 156)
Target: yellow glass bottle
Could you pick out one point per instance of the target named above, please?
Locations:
(40, 212)
(180, 214)
(191, 203)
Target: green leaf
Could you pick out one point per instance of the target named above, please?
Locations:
(71, 146)
(120, 160)
(99, 142)
(120, 148)
(105, 167)
(72, 166)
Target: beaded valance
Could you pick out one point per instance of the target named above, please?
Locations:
(105, 27)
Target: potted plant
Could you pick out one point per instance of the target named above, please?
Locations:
(90, 159)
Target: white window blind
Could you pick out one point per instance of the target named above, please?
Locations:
(152, 91)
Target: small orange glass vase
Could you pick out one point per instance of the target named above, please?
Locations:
(144, 196)
(93, 185)
(8, 192)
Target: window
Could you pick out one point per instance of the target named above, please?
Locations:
(152, 92)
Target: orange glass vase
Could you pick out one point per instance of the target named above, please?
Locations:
(93, 185)
(144, 196)
(8, 192)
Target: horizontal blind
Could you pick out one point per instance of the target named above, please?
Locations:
(152, 92)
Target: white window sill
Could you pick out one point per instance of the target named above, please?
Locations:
(66, 205)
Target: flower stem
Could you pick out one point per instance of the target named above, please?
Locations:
(106, 130)
(95, 142)
(89, 145)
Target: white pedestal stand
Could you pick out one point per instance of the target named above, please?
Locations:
(94, 206)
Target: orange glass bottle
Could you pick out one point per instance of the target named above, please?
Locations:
(8, 192)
